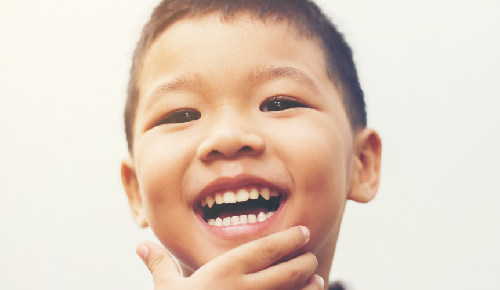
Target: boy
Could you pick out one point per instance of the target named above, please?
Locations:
(247, 133)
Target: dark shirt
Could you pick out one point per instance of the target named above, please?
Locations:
(336, 286)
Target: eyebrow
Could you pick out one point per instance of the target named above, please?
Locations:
(277, 72)
(185, 82)
(262, 74)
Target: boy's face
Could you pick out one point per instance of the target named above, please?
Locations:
(231, 106)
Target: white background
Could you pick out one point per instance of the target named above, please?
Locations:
(430, 71)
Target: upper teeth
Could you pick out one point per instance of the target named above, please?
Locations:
(240, 195)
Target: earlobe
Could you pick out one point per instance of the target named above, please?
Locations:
(131, 186)
(366, 166)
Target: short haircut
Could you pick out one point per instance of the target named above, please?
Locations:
(305, 15)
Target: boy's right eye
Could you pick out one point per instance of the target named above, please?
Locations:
(181, 116)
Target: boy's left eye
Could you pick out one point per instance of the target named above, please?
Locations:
(280, 103)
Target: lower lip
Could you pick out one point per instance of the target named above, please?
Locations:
(244, 229)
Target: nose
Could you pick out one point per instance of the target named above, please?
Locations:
(230, 142)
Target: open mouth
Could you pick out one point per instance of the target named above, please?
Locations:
(240, 207)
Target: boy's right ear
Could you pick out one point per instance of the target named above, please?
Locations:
(131, 186)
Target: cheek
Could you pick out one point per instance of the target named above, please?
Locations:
(317, 158)
(160, 190)
(321, 179)
(162, 161)
(158, 178)
(161, 165)
(166, 210)
(324, 192)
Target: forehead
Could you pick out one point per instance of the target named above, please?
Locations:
(211, 37)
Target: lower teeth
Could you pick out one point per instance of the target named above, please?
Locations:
(240, 220)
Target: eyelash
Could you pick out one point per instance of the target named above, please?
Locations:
(276, 103)
(280, 103)
(181, 116)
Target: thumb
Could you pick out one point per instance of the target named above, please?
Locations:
(159, 262)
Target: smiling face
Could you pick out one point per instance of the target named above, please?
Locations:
(239, 133)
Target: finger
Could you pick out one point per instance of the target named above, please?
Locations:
(262, 253)
(292, 274)
(159, 262)
(315, 282)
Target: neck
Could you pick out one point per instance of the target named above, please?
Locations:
(325, 258)
(326, 252)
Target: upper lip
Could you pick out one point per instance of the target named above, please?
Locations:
(236, 182)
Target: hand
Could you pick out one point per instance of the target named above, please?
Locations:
(249, 266)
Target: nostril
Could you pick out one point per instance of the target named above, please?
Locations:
(246, 149)
(230, 143)
(243, 149)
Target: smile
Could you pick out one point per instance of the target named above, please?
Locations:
(248, 205)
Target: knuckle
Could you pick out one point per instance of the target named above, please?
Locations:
(216, 269)
(154, 264)
(221, 273)
(302, 267)
(270, 251)
(294, 273)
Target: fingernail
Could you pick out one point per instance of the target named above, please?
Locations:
(306, 233)
(320, 280)
(142, 251)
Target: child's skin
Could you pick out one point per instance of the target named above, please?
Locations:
(209, 119)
